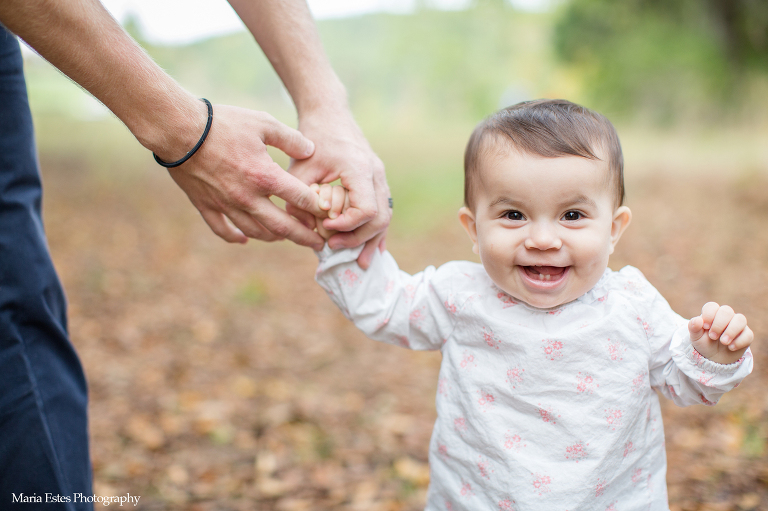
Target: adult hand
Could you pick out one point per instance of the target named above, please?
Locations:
(230, 178)
(342, 152)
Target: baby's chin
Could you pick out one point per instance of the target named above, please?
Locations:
(541, 301)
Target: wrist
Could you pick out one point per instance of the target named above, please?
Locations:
(330, 99)
(170, 130)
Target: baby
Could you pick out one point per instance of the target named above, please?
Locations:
(545, 399)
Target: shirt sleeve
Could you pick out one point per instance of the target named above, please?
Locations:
(388, 304)
(676, 369)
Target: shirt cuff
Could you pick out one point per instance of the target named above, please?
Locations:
(329, 257)
(693, 363)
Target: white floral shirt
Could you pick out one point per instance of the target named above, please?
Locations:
(537, 409)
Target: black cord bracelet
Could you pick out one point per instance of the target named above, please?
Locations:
(197, 146)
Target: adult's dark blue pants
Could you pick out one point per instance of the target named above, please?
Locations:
(43, 394)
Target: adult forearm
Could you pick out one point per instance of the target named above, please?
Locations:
(81, 39)
(288, 36)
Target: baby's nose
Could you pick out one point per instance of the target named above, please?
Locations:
(543, 236)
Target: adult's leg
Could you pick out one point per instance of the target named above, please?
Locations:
(43, 395)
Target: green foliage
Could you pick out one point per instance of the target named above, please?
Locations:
(445, 64)
(662, 57)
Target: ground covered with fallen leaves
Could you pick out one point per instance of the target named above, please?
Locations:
(222, 378)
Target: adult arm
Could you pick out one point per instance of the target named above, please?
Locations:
(231, 176)
(286, 32)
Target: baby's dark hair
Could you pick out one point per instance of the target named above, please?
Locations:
(548, 128)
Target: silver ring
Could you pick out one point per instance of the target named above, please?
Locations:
(390, 202)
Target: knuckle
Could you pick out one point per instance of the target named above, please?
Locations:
(368, 213)
(239, 198)
(265, 181)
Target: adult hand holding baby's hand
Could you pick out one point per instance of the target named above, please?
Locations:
(334, 201)
(720, 334)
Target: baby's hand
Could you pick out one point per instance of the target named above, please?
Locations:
(334, 200)
(719, 334)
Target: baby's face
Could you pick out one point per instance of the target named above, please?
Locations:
(544, 227)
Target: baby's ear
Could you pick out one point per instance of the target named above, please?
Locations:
(467, 219)
(621, 219)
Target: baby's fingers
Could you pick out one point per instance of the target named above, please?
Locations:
(337, 201)
(326, 196)
(734, 329)
(696, 328)
(723, 317)
(708, 313)
(742, 341)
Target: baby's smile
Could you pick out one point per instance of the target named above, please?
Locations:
(546, 276)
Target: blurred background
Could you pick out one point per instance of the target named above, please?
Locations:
(222, 378)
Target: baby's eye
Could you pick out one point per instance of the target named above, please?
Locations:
(572, 215)
(514, 215)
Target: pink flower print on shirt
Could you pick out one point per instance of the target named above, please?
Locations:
(490, 339)
(349, 278)
(616, 350)
(646, 327)
(576, 452)
(585, 383)
(547, 415)
(633, 288)
(696, 357)
(410, 292)
(638, 381)
(460, 425)
(513, 442)
(600, 487)
(552, 348)
(448, 505)
(541, 484)
(637, 474)
(506, 300)
(555, 312)
(403, 341)
(486, 400)
(450, 306)
(467, 360)
(704, 379)
(515, 376)
(629, 447)
(613, 417)
(466, 490)
(443, 386)
(604, 297)
(390, 286)
(706, 401)
(612, 507)
(671, 390)
(442, 450)
(506, 505)
(417, 315)
(484, 469)
(382, 323)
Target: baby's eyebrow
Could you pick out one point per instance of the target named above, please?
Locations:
(580, 199)
(504, 200)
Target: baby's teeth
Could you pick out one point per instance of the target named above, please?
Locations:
(541, 276)
(547, 277)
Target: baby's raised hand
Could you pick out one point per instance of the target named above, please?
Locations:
(720, 334)
(332, 199)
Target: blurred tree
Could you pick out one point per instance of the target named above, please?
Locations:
(666, 58)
